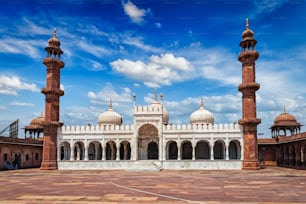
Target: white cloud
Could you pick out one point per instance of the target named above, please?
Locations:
(267, 6)
(10, 85)
(158, 25)
(2, 107)
(30, 48)
(26, 104)
(95, 50)
(138, 43)
(161, 70)
(108, 92)
(134, 13)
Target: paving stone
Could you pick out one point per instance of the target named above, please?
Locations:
(271, 185)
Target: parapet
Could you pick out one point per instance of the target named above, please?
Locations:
(203, 127)
(95, 129)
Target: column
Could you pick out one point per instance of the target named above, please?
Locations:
(179, 151)
(227, 152)
(86, 151)
(103, 151)
(118, 151)
(193, 151)
(211, 151)
(72, 152)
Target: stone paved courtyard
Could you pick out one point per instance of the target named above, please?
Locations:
(271, 185)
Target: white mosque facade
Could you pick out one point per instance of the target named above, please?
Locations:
(151, 143)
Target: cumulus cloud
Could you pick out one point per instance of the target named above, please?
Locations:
(160, 70)
(108, 92)
(134, 13)
(11, 84)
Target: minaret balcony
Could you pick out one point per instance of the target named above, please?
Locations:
(57, 92)
(249, 86)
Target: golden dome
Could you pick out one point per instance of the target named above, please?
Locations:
(285, 119)
(110, 117)
(37, 121)
(202, 116)
(54, 42)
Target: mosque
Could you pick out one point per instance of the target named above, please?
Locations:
(151, 142)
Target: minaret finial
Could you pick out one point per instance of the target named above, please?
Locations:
(284, 108)
(110, 104)
(202, 104)
(54, 32)
(247, 23)
(155, 95)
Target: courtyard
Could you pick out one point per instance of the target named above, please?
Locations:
(270, 185)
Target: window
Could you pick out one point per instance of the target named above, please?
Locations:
(5, 157)
(27, 157)
(36, 156)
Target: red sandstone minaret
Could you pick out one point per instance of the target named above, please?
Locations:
(248, 87)
(52, 92)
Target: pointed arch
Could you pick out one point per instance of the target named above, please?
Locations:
(186, 150)
(202, 150)
(219, 149)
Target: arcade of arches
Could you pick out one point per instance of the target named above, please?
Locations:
(148, 149)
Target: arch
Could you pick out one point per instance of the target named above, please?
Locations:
(186, 150)
(110, 151)
(219, 149)
(147, 134)
(79, 150)
(125, 150)
(234, 150)
(304, 156)
(65, 150)
(202, 150)
(172, 150)
(95, 150)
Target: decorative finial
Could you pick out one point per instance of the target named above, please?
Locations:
(202, 103)
(155, 95)
(54, 32)
(161, 96)
(284, 108)
(110, 104)
(246, 23)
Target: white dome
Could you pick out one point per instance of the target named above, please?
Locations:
(110, 117)
(202, 116)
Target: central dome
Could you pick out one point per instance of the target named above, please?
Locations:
(202, 116)
(110, 117)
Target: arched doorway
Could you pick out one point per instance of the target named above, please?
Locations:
(95, 151)
(148, 142)
(172, 150)
(65, 151)
(234, 150)
(125, 150)
(152, 150)
(186, 150)
(79, 151)
(202, 150)
(219, 150)
(111, 150)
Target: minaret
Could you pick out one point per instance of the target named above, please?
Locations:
(52, 92)
(248, 87)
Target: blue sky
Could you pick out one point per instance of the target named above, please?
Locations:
(186, 49)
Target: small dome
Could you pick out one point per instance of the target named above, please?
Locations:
(285, 119)
(36, 122)
(54, 42)
(247, 34)
(110, 117)
(202, 116)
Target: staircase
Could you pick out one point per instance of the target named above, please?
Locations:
(146, 165)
